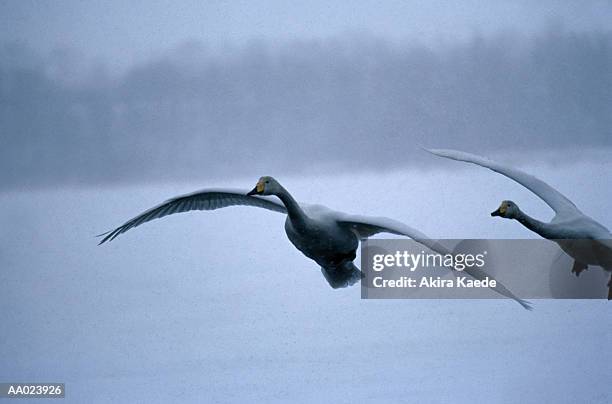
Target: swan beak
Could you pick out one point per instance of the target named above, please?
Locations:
(501, 211)
(259, 188)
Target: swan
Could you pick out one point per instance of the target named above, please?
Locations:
(587, 241)
(328, 237)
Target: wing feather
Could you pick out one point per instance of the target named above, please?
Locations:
(209, 199)
(562, 206)
(368, 226)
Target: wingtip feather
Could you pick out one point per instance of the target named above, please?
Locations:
(438, 152)
(109, 236)
(527, 305)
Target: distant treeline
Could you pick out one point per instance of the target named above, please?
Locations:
(352, 102)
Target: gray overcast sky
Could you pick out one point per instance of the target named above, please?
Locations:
(122, 32)
(361, 96)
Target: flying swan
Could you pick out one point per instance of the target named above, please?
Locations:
(327, 237)
(582, 238)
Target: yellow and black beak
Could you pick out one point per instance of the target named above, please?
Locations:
(501, 211)
(258, 190)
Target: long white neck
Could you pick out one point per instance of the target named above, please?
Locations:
(534, 225)
(294, 211)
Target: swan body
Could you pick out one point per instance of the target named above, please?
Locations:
(580, 236)
(328, 237)
(322, 238)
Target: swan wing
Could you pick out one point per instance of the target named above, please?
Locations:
(208, 199)
(368, 226)
(563, 207)
(365, 227)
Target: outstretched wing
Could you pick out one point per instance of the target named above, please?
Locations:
(562, 206)
(368, 226)
(208, 199)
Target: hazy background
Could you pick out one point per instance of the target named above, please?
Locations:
(108, 108)
(144, 91)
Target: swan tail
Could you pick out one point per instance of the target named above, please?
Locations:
(343, 275)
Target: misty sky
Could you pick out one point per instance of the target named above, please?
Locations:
(121, 32)
(141, 91)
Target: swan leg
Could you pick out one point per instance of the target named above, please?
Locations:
(610, 288)
(578, 267)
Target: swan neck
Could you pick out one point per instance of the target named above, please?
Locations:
(295, 212)
(532, 224)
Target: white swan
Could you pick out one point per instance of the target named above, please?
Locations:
(327, 237)
(581, 237)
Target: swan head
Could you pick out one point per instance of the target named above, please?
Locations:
(507, 209)
(266, 186)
